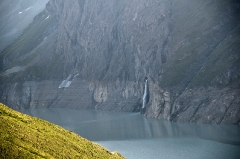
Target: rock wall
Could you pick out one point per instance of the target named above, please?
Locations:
(188, 51)
(80, 95)
(15, 16)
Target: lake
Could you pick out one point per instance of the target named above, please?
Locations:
(138, 137)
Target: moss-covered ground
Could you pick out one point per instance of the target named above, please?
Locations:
(22, 136)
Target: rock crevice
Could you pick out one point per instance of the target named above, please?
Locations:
(188, 50)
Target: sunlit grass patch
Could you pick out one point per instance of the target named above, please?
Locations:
(23, 136)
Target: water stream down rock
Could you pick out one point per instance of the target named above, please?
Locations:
(188, 51)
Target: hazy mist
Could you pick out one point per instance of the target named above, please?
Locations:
(15, 16)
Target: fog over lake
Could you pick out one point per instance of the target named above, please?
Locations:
(136, 136)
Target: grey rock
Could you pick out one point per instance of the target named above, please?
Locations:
(15, 16)
(188, 50)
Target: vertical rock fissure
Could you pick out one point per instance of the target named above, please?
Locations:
(204, 63)
(225, 113)
(145, 94)
(53, 101)
(30, 97)
(196, 110)
(208, 57)
(185, 55)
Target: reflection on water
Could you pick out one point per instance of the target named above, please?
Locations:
(102, 125)
(110, 128)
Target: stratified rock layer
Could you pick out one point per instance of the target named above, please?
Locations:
(188, 51)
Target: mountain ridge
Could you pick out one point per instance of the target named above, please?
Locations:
(188, 50)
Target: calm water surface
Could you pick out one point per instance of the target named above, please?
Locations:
(137, 137)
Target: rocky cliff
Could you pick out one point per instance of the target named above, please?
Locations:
(15, 16)
(98, 54)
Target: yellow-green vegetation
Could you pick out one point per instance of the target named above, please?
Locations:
(22, 136)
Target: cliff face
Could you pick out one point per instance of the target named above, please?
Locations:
(104, 50)
(15, 16)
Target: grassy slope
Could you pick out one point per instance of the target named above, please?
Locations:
(22, 136)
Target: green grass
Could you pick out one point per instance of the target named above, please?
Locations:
(22, 136)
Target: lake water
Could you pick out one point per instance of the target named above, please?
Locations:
(137, 137)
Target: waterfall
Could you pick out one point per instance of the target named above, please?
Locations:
(145, 95)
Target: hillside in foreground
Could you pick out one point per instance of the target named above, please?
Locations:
(23, 136)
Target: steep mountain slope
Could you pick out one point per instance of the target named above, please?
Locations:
(15, 16)
(23, 136)
(105, 50)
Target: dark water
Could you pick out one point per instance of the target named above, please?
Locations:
(138, 137)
